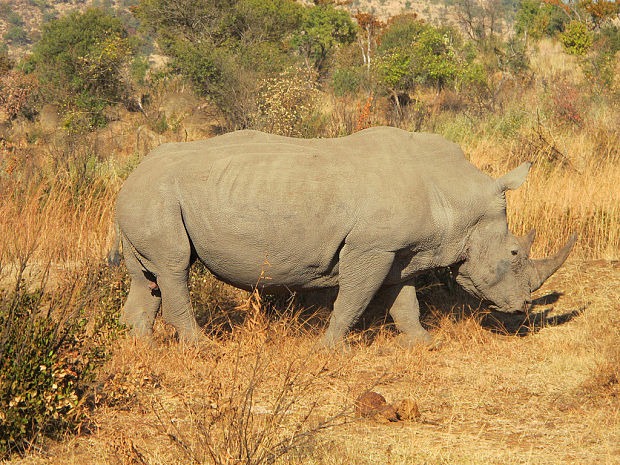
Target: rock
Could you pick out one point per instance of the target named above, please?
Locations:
(201, 124)
(372, 404)
(22, 128)
(147, 140)
(407, 409)
(49, 117)
(5, 129)
(178, 104)
(116, 138)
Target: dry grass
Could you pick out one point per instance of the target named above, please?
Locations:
(547, 396)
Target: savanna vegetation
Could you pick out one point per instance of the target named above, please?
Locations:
(101, 87)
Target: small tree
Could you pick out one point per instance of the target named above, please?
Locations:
(537, 19)
(80, 58)
(576, 38)
(323, 28)
(370, 28)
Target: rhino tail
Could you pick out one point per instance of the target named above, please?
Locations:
(114, 254)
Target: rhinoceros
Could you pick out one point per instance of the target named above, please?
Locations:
(361, 213)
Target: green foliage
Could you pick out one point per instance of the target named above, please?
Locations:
(394, 70)
(599, 64)
(415, 53)
(16, 34)
(323, 27)
(576, 38)
(15, 18)
(47, 359)
(402, 30)
(139, 67)
(81, 59)
(538, 19)
(346, 81)
(224, 49)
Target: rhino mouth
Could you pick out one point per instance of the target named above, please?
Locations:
(525, 308)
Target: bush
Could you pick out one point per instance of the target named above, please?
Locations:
(18, 93)
(323, 28)
(567, 102)
(576, 38)
(537, 19)
(599, 64)
(416, 53)
(49, 355)
(286, 102)
(81, 60)
(346, 81)
(16, 35)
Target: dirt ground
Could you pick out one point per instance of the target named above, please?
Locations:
(541, 389)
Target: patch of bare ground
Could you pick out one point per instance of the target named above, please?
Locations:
(502, 389)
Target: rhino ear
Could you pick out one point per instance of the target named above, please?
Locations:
(513, 179)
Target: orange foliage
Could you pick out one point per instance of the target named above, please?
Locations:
(559, 4)
(364, 119)
(600, 9)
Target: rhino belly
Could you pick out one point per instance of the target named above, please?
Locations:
(249, 262)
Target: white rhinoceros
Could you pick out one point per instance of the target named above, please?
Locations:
(361, 213)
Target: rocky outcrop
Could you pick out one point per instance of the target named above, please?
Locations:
(49, 118)
(178, 105)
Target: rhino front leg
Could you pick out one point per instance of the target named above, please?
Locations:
(405, 311)
(361, 274)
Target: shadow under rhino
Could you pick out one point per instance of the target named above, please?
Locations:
(439, 297)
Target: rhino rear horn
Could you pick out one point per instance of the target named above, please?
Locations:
(544, 268)
(526, 241)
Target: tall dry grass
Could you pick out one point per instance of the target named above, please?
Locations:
(54, 222)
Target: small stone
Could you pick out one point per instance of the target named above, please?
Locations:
(408, 409)
(372, 404)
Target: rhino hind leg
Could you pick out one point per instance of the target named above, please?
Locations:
(176, 305)
(161, 280)
(142, 302)
(405, 311)
(361, 274)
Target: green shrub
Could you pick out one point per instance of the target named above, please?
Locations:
(576, 38)
(49, 351)
(15, 18)
(81, 59)
(346, 81)
(599, 65)
(537, 19)
(16, 35)
(323, 28)
(413, 53)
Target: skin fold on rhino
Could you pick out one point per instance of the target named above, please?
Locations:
(361, 213)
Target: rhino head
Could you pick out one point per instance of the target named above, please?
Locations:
(497, 266)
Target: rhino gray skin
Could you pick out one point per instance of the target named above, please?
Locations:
(360, 213)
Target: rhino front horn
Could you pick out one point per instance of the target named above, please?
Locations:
(544, 268)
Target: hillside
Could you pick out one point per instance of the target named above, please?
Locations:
(30, 15)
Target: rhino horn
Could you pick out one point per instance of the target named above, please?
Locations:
(527, 241)
(544, 268)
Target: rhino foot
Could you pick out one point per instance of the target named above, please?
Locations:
(422, 339)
